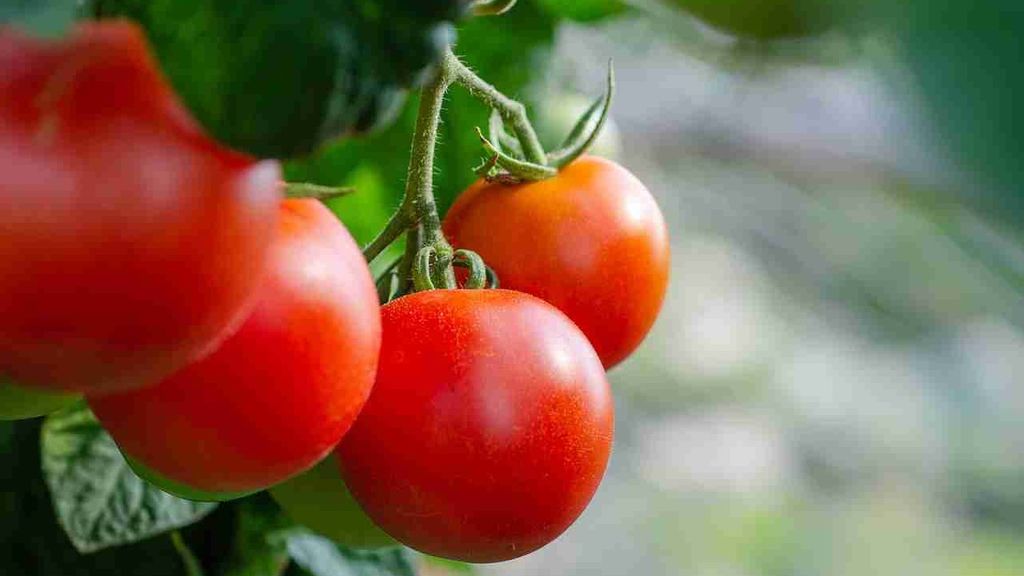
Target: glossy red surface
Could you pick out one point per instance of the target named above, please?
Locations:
(130, 243)
(489, 427)
(279, 394)
(591, 241)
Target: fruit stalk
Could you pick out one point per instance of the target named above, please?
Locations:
(417, 215)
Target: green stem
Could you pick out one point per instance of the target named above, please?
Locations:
(417, 215)
(396, 226)
(419, 185)
(192, 566)
(511, 110)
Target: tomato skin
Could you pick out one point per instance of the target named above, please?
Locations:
(280, 393)
(130, 243)
(489, 427)
(591, 241)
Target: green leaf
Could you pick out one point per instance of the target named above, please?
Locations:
(954, 51)
(99, 501)
(45, 17)
(32, 541)
(319, 556)
(279, 78)
(585, 10)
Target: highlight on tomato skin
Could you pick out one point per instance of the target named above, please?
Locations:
(130, 242)
(489, 427)
(278, 395)
(592, 241)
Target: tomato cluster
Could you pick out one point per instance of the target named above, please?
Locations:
(232, 341)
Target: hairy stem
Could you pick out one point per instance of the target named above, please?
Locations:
(419, 184)
(188, 559)
(397, 224)
(511, 110)
(417, 215)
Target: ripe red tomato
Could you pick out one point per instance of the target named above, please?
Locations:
(591, 241)
(279, 394)
(129, 241)
(488, 429)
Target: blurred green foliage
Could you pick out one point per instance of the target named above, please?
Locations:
(763, 19)
(965, 58)
(235, 63)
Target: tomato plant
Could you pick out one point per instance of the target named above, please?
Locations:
(590, 240)
(228, 342)
(129, 242)
(512, 420)
(278, 395)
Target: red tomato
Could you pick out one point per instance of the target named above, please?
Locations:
(591, 241)
(279, 394)
(129, 241)
(488, 429)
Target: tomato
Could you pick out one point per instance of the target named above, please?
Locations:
(279, 394)
(18, 402)
(130, 243)
(319, 500)
(489, 426)
(762, 19)
(590, 240)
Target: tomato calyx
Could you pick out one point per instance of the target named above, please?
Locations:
(506, 162)
(514, 155)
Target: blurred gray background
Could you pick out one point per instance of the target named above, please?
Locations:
(832, 388)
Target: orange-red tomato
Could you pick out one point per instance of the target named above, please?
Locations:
(129, 241)
(489, 426)
(590, 240)
(280, 393)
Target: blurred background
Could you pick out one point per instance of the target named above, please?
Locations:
(834, 385)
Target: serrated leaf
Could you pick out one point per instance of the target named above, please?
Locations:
(319, 556)
(99, 501)
(31, 541)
